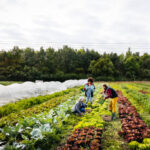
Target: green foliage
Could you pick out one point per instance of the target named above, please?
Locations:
(132, 67)
(105, 78)
(8, 82)
(2, 137)
(27, 64)
(48, 142)
(101, 67)
(140, 98)
(145, 145)
(44, 130)
(68, 63)
(146, 140)
(110, 137)
(94, 117)
(133, 145)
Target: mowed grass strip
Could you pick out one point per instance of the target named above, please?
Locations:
(111, 139)
(9, 82)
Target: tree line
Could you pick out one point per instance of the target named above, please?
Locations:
(68, 63)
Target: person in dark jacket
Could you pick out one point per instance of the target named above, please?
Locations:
(79, 107)
(89, 90)
(111, 93)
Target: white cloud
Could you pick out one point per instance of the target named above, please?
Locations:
(36, 22)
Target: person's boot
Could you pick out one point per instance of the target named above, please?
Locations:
(113, 116)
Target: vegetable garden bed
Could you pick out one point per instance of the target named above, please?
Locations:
(50, 125)
(134, 130)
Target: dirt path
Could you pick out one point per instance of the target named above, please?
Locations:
(111, 140)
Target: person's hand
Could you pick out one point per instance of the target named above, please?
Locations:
(104, 98)
(81, 114)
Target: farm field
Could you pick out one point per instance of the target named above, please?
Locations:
(47, 123)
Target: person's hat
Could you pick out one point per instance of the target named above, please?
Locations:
(81, 99)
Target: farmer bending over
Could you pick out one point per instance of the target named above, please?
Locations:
(89, 90)
(111, 93)
(79, 107)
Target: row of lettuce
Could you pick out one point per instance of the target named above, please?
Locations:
(142, 103)
(140, 100)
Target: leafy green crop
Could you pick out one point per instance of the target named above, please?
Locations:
(145, 145)
(142, 99)
(36, 127)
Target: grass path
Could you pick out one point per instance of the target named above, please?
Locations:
(9, 82)
(110, 139)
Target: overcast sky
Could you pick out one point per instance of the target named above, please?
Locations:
(104, 25)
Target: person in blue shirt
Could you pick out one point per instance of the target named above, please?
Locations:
(79, 107)
(89, 90)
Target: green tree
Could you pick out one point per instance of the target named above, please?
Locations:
(102, 67)
(145, 66)
(132, 67)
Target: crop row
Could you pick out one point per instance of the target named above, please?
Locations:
(30, 102)
(137, 100)
(34, 132)
(142, 86)
(139, 95)
(133, 128)
(87, 133)
(83, 139)
(140, 101)
(44, 130)
(94, 118)
(13, 118)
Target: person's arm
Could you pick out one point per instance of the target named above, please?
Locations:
(92, 88)
(103, 92)
(109, 94)
(85, 87)
(84, 105)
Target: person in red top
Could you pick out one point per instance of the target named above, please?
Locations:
(111, 93)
